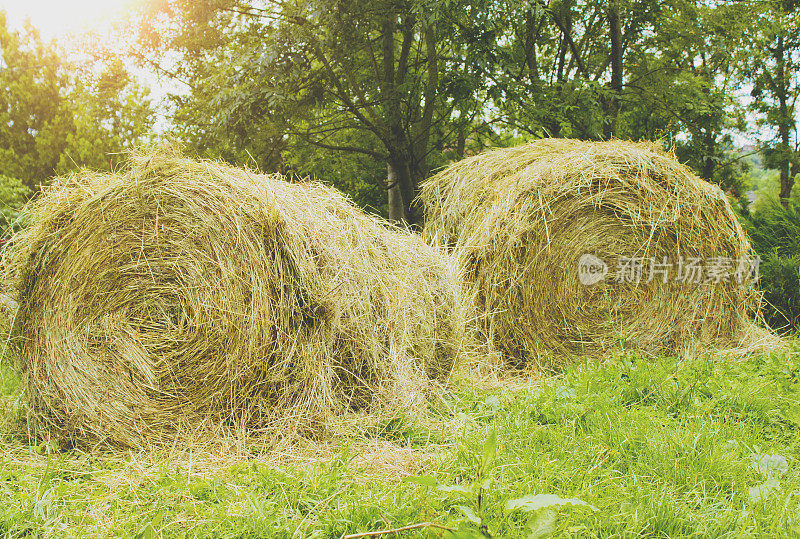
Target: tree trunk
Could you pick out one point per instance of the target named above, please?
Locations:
(787, 180)
(783, 123)
(531, 36)
(708, 148)
(400, 193)
(397, 210)
(461, 142)
(616, 67)
(562, 54)
(707, 170)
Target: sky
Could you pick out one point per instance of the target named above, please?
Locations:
(59, 18)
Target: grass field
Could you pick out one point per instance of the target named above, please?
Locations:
(619, 448)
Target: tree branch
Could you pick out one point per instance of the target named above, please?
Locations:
(431, 88)
(570, 42)
(343, 148)
(408, 39)
(342, 94)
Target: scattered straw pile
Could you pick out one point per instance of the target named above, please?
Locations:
(183, 297)
(521, 218)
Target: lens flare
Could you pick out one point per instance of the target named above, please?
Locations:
(57, 19)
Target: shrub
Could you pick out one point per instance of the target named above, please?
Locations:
(780, 279)
(775, 233)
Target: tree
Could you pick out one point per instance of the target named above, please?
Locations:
(382, 79)
(405, 85)
(620, 68)
(558, 68)
(682, 82)
(775, 42)
(56, 116)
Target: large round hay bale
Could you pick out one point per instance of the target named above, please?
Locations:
(524, 220)
(182, 296)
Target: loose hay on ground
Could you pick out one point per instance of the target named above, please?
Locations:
(184, 298)
(519, 219)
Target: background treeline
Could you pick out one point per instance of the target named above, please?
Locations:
(374, 95)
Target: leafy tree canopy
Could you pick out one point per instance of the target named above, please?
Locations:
(57, 115)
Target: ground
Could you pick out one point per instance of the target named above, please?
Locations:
(632, 447)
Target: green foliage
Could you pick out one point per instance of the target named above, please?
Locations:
(13, 194)
(541, 508)
(780, 280)
(57, 115)
(774, 231)
(765, 182)
(681, 89)
(774, 228)
(337, 90)
(8, 378)
(772, 69)
(361, 176)
(473, 494)
(291, 84)
(111, 113)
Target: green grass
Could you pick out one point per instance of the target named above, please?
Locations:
(8, 379)
(658, 448)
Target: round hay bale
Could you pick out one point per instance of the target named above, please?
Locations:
(524, 221)
(182, 297)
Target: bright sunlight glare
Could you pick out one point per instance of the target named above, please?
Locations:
(59, 18)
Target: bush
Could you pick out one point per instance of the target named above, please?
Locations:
(775, 233)
(780, 280)
(774, 228)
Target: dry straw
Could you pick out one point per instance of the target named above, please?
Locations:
(519, 219)
(192, 298)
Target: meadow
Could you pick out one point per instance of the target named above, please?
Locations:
(618, 447)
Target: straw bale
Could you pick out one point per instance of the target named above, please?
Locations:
(190, 298)
(520, 219)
